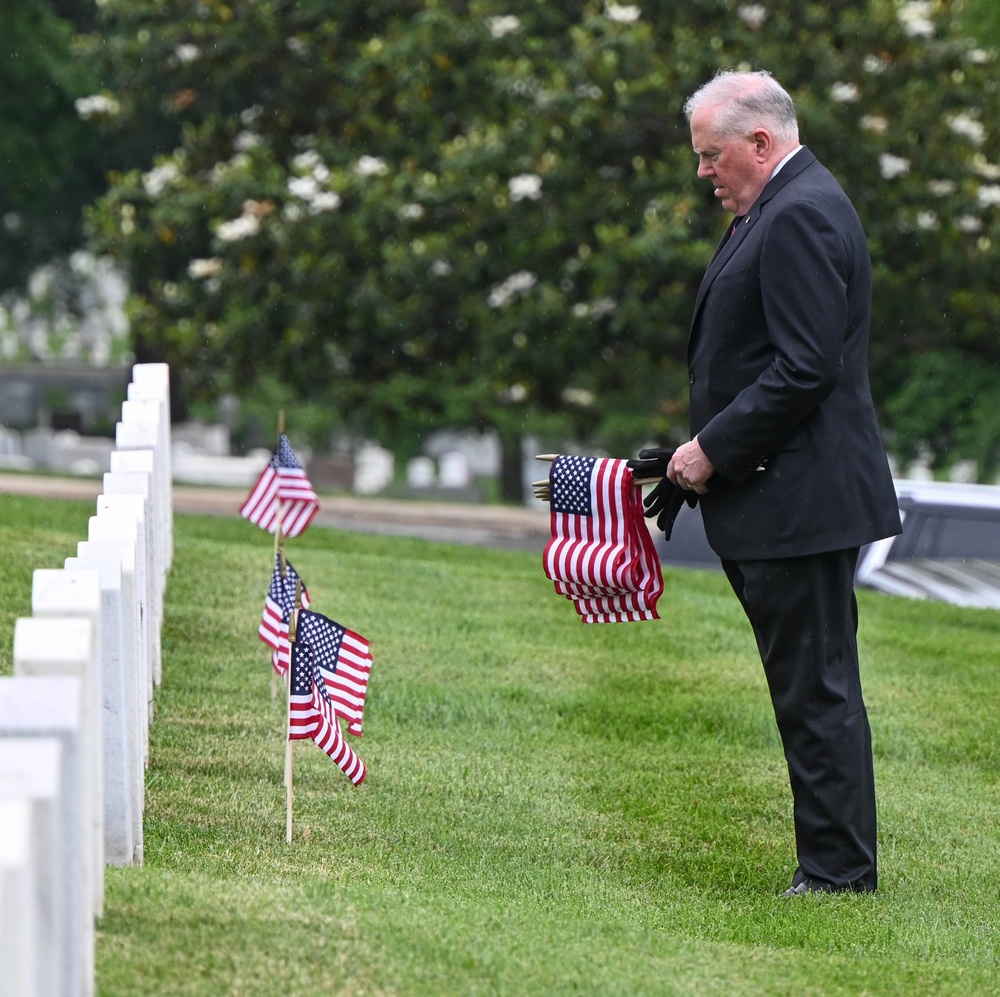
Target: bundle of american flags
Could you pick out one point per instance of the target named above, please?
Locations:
(601, 556)
(339, 665)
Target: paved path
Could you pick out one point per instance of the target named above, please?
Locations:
(454, 522)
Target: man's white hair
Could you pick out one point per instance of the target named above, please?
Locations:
(745, 101)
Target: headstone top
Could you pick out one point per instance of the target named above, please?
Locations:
(40, 704)
(57, 640)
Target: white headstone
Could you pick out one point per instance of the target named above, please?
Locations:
(29, 770)
(118, 844)
(965, 472)
(107, 526)
(154, 376)
(145, 423)
(147, 436)
(125, 511)
(134, 648)
(138, 483)
(19, 921)
(420, 472)
(454, 471)
(148, 461)
(53, 642)
(143, 461)
(52, 707)
(373, 469)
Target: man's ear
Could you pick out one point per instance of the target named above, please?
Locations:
(762, 143)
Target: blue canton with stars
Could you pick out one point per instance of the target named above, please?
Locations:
(282, 590)
(301, 671)
(305, 667)
(570, 485)
(284, 456)
(322, 635)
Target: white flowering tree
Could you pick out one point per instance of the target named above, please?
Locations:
(923, 110)
(421, 214)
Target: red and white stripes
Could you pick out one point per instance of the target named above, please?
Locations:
(601, 555)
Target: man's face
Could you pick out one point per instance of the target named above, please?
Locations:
(734, 165)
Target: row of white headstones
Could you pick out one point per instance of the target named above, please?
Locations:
(75, 715)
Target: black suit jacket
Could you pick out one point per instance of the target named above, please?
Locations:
(778, 371)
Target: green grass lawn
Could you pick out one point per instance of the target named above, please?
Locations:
(550, 808)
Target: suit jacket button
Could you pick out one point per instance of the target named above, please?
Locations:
(691, 377)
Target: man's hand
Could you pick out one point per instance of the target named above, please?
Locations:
(690, 468)
(665, 500)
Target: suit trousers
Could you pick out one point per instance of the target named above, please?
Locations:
(804, 616)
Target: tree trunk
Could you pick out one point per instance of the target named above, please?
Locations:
(511, 467)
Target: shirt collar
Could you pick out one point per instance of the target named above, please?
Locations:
(777, 168)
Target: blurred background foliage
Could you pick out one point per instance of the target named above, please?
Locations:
(414, 214)
(50, 163)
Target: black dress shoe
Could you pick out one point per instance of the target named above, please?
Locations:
(808, 886)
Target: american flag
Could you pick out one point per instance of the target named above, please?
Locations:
(601, 555)
(344, 659)
(278, 605)
(311, 713)
(282, 495)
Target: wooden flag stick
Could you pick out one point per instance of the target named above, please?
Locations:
(288, 792)
(543, 485)
(292, 622)
(541, 489)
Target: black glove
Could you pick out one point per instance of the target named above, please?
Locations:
(652, 463)
(665, 502)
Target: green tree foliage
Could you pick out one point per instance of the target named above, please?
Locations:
(48, 157)
(982, 19)
(438, 213)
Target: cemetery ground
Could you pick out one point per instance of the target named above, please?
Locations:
(550, 808)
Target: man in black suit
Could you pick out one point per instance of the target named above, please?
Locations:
(786, 456)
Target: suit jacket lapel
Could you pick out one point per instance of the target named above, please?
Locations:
(729, 243)
(725, 249)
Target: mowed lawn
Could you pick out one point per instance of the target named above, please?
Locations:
(550, 808)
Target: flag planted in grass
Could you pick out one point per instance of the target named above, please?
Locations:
(601, 556)
(344, 659)
(311, 713)
(282, 495)
(278, 605)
